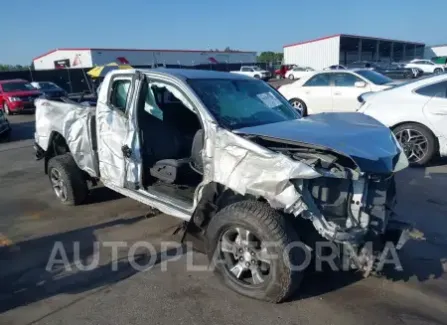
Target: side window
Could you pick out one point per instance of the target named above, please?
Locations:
(118, 97)
(320, 80)
(435, 90)
(344, 79)
(244, 69)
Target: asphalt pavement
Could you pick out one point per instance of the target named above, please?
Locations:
(115, 292)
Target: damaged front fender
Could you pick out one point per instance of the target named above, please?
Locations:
(285, 182)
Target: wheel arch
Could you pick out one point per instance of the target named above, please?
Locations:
(57, 145)
(215, 197)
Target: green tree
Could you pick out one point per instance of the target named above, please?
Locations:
(10, 67)
(269, 56)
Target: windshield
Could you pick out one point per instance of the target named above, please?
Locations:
(375, 77)
(17, 86)
(48, 86)
(242, 103)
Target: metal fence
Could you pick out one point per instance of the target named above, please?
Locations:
(77, 80)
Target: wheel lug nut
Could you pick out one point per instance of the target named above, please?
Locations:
(241, 250)
(252, 253)
(241, 259)
(247, 264)
(253, 261)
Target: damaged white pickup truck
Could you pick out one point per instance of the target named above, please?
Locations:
(229, 155)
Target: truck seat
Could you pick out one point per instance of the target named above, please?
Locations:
(179, 170)
(159, 140)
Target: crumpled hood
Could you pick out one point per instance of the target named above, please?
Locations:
(368, 142)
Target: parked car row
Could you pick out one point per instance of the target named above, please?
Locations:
(254, 72)
(18, 95)
(333, 90)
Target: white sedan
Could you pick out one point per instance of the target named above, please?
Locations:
(298, 72)
(417, 113)
(333, 90)
(427, 66)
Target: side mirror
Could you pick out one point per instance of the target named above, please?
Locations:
(360, 84)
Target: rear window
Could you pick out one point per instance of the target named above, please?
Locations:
(374, 77)
(438, 89)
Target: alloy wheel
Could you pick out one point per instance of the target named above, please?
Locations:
(414, 144)
(59, 186)
(6, 108)
(298, 106)
(244, 256)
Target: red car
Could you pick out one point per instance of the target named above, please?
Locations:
(280, 72)
(17, 95)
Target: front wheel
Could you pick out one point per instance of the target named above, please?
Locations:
(67, 180)
(291, 76)
(418, 143)
(251, 245)
(257, 76)
(438, 71)
(6, 108)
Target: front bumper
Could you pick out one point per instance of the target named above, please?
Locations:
(39, 152)
(20, 106)
(370, 257)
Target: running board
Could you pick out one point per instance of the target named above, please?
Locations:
(180, 211)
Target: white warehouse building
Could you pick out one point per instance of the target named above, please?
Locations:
(344, 49)
(435, 51)
(90, 57)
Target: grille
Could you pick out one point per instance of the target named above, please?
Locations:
(29, 98)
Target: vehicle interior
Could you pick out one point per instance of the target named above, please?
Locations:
(171, 142)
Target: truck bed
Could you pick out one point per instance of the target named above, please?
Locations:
(76, 123)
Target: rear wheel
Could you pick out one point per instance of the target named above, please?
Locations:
(299, 105)
(291, 76)
(418, 143)
(67, 180)
(437, 71)
(250, 243)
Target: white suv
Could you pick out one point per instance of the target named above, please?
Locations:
(426, 65)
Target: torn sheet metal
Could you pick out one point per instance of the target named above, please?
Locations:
(72, 122)
(250, 169)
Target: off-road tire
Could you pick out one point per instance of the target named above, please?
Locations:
(432, 144)
(75, 182)
(271, 226)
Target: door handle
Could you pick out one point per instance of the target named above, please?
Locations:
(337, 93)
(127, 152)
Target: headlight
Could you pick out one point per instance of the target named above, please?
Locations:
(14, 99)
